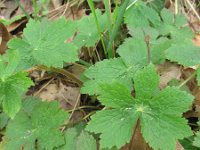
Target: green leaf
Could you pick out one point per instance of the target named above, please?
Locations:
(77, 139)
(167, 16)
(123, 98)
(3, 120)
(184, 54)
(86, 141)
(134, 52)
(140, 15)
(12, 84)
(42, 125)
(148, 85)
(116, 126)
(107, 71)
(134, 56)
(157, 5)
(88, 34)
(198, 76)
(11, 20)
(45, 38)
(70, 139)
(159, 113)
(197, 140)
(187, 143)
(173, 26)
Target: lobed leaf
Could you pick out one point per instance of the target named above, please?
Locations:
(116, 126)
(159, 112)
(42, 124)
(44, 44)
(13, 84)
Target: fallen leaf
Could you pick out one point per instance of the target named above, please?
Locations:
(9, 7)
(168, 71)
(196, 40)
(4, 38)
(67, 96)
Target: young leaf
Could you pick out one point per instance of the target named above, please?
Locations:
(87, 31)
(197, 140)
(44, 43)
(42, 125)
(12, 84)
(159, 113)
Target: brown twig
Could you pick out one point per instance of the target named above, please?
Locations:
(147, 40)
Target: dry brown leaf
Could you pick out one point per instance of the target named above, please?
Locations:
(13, 26)
(168, 71)
(179, 146)
(137, 141)
(9, 7)
(27, 4)
(56, 3)
(67, 96)
(77, 70)
(196, 40)
(4, 38)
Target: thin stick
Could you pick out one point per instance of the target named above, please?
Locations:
(66, 6)
(176, 7)
(74, 109)
(34, 8)
(63, 72)
(147, 40)
(24, 11)
(188, 79)
(193, 9)
(43, 87)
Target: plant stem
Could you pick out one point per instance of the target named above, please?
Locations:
(91, 5)
(188, 79)
(34, 8)
(116, 27)
(147, 40)
(22, 8)
(63, 72)
(84, 63)
(108, 14)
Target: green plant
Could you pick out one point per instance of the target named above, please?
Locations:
(127, 85)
